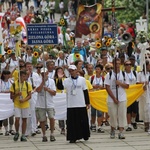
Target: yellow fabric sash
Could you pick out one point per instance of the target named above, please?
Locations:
(98, 99)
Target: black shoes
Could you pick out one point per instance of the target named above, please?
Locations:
(72, 141)
(134, 125)
(129, 129)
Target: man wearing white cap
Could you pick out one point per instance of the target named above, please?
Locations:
(92, 58)
(45, 103)
(77, 105)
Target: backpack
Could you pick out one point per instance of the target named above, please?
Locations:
(31, 78)
(134, 72)
(18, 83)
(63, 60)
(123, 73)
(93, 76)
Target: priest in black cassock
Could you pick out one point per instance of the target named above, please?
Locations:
(77, 105)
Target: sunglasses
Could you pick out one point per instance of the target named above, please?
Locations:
(127, 64)
(147, 57)
(109, 68)
(21, 66)
(39, 67)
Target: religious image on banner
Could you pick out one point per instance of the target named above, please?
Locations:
(89, 21)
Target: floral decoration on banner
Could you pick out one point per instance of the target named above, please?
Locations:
(142, 36)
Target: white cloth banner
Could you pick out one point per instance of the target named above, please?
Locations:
(6, 106)
(60, 106)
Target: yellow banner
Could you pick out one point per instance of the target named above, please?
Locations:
(98, 99)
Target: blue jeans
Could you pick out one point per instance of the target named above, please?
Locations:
(19, 6)
(35, 3)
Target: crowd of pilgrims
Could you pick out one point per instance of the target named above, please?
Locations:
(89, 64)
(53, 74)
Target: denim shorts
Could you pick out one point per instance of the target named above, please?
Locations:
(95, 112)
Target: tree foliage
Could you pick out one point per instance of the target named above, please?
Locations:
(134, 9)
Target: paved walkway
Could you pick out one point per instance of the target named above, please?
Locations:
(135, 140)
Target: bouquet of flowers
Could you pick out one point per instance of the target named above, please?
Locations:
(15, 32)
(142, 36)
(106, 41)
(115, 42)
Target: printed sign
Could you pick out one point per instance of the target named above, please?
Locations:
(42, 34)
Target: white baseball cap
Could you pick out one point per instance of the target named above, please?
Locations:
(73, 67)
(43, 70)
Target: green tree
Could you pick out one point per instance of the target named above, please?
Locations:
(134, 9)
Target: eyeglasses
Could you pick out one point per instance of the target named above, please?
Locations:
(127, 64)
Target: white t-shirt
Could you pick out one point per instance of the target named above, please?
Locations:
(132, 78)
(96, 81)
(52, 5)
(27, 58)
(34, 79)
(61, 5)
(74, 90)
(3, 66)
(51, 74)
(112, 83)
(48, 101)
(91, 60)
(141, 77)
(5, 86)
(60, 62)
(13, 64)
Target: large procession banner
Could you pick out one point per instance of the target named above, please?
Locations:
(89, 21)
(98, 99)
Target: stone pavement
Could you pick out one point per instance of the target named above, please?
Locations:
(135, 140)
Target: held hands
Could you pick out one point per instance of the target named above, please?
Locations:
(115, 101)
(21, 100)
(118, 83)
(45, 88)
